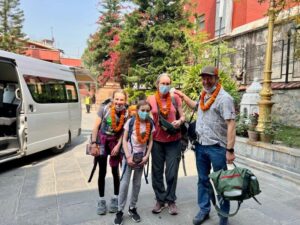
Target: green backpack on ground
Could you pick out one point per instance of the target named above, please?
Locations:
(237, 184)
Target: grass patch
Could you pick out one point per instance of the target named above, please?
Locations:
(289, 136)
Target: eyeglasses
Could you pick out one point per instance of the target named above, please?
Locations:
(165, 83)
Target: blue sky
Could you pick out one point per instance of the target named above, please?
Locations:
(72, 22)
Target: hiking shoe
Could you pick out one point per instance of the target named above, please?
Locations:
(200, 218)
(134, 215)
(101, 207)
(113, 207)
(119, 218)
(158, 207)
(172, 208)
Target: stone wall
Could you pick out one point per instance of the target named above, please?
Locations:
(287, 106)
(249, 58)
(279, 160)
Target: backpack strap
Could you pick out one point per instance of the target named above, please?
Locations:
(93, 170)
(218, 209)
(130, 131)
(146, 170)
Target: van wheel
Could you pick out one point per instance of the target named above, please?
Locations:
(59, 148)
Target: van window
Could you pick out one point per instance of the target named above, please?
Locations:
(72, 94)
(48, 90)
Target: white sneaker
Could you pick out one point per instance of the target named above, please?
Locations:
(101, 207)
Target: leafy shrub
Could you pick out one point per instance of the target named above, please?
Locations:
(241, 126)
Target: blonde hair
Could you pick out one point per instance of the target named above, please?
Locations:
(160, 76)
(120, 91)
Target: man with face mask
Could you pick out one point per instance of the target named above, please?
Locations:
(215, 128)
(166, 149)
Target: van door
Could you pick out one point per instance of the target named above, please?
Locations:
(47, 113)
(74, 109)
(12, 118)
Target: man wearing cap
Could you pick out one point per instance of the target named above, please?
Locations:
(215, 128)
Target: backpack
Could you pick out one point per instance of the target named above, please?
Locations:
(237, 184)
(184, 130)
(130, 131)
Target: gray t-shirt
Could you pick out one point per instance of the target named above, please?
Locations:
(104, 114)
(211, 125)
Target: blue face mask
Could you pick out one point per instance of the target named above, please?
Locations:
(164, 89)
(143, 115)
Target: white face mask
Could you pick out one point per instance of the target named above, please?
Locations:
(119, 107)
(211, 90)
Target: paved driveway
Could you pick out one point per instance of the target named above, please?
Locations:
(47, 189)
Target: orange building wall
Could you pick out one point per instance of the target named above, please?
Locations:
(70, 62)
(43, 54)
(246, 11)
(207, 7)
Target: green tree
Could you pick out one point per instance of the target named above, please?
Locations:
(101, 44)
(153, 41)
(11, 20)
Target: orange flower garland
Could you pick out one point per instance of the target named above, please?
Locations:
(164, 111)
(141, 139)
(113, 119)
(212, 99)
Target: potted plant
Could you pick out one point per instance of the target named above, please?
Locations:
(252, 133)
(241, 126)
(269, 132)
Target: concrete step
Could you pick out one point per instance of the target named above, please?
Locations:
(275, 171)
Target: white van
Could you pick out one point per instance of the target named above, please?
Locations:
(39, 106)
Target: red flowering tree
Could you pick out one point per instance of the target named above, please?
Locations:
(100, 55)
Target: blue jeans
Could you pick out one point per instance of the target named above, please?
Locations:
(207, 155)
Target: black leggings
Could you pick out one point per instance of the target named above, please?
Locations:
(102, 160)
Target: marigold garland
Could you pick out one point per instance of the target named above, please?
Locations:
(164, 111)
(113, 119)
(141, 139)
(212, 99)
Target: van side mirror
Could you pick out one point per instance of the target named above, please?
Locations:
(18, 93)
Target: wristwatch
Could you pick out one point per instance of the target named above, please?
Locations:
(93, 142)
(231, 150)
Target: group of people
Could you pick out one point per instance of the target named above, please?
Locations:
(130, 140)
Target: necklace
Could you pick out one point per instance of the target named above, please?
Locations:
(164, 111)
(145, 138)
(207, 105)
(113, 119)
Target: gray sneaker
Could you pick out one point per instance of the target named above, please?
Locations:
(113, 207)
(101, 207)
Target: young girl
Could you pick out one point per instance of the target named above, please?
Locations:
(137, 149)
(107, 133)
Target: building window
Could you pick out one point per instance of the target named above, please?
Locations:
(220, 17)
(200, 22)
